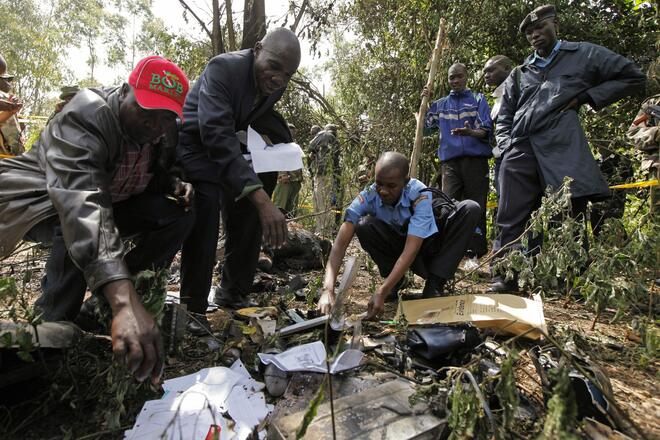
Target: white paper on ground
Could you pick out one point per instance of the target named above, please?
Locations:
(311, 357)
(193, 403)
(278, 157)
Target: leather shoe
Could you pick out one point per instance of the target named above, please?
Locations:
(199, 325)
(231, 300)
(499, 285)
(434, 287)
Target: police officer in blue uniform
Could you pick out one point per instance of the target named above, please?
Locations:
(395, 224)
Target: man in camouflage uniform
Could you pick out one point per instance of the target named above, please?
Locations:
(324, 164)
(645, 133)
(285, 195)
(10, 129)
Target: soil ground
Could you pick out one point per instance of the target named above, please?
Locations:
(41, 409)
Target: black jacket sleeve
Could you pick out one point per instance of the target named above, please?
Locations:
(217, 96)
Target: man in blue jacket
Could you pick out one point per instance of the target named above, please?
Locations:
(464, 124)
(235, 90)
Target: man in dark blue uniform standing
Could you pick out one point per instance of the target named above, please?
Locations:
(538, 127)
(235, 90)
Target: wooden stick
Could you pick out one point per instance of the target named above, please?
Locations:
(435, 58)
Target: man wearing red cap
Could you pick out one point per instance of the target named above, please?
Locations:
(102, 170)
(235, 90)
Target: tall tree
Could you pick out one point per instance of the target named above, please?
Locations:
(254, 22)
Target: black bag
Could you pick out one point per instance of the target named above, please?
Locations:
(443, 205)
(437, 342)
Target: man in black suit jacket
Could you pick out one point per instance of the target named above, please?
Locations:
(235, 90)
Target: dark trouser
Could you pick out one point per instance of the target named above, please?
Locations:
(440, 253)
(466, 178)
(242, 229)
(496, 174)
(522, 186)
(157, 226)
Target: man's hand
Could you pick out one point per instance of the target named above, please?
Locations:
(573, 103)
(326, 301)
(273, 222)
(184, 193)
(425, 93)
(136, 339)
(376, 305)
(10, 106)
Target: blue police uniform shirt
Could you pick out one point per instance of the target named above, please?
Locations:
(420, 222)
(541, 62)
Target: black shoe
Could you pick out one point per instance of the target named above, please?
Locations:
(434, 287)
(199, 325)
(499, 285)
(231, 300)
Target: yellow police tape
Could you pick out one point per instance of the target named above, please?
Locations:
(6, 156)
(642, 184)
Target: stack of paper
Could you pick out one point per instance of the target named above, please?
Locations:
(226, 397)
(278, 157)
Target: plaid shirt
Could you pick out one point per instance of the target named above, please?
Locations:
(132, 175)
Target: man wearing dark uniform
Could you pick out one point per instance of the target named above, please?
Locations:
(538, 127)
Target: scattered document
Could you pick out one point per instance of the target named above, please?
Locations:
(226, 397)
(278, 157)
(311, 357)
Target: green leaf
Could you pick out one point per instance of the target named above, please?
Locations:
(312, 410)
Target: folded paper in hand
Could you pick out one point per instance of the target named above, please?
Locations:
(278, 157)
(508, 313)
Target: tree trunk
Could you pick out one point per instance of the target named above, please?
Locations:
(254, 23)
(435, 58)
(299, 17)
(216, 32)
(231, 36)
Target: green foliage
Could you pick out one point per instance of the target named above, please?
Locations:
(650, 335)
(119, 384)
(620, 266)
(16, 306)
(466, 416)
(36, 53)
(152, 288)
(507, 393)
(562, 409)
(190, 55)
(563, 253)
(612, 273)
(313, 289)
(434, 395)
(378, 75)
(312, 410)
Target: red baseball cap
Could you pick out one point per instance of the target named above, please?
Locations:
(158, 83)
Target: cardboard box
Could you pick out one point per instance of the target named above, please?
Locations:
(510, 314)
